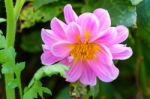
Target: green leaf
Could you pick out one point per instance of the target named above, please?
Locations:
(35, 87)
(50, 70)
(7, 68)
(39, 3)
(121, 11)
(19, 67)
(7, 55)
(2, 40)
(136, 2)
(34, 42)
(2, 20)
(143, 21)
(29, 16)
(35, 90)
(46, 90)
(12, 84)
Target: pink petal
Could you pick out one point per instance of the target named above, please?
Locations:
(104, 55)
(105, 72)
(75, 72)
(88, 77)
(108, 36)
(61, 49)
(67, 60)
(58, 27)
(69, 14)
(103, 17)
(122, 34)
(89, 24)
(74, 33)
(46, 48)
(120, 51)
(47, 58)
(48, 37)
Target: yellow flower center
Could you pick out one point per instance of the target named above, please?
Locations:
(84, 51)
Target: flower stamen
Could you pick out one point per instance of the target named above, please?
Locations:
(84, 51)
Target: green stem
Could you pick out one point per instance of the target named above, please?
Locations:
(141, 70)
(12, 17)
(11, 24)
(78, 91)
(18, 7)
(19, 85)
(10, 38)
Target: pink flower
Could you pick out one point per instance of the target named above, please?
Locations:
(87, 44)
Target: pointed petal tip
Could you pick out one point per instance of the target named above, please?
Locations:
(69, 14)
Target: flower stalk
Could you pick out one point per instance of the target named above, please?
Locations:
(12, 17)
(10, 39)
(141, 76)
(78, 91)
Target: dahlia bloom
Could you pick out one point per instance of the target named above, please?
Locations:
(87, 44)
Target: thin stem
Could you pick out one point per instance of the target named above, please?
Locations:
(141, 70)
(19, 85)
(78, 91)
(10, 38)
(18, 7)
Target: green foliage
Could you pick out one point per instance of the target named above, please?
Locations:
(7, 59)
(35, 87)
(121, 11)
(12, 84)
(2, 40)
(35, 90)
(64, 93)
(143, 21)
(19, 67)
(33, 44)
(135, 2)
(30, 16)
(39, 3)
(6, 68)
(7, 55)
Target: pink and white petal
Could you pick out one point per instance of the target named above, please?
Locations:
(69, 14)
(61, 49)
(74, 33)
(122, 34)
(47, 58)
(105, 72)
(58, 27)
(108, 36)
(46, 48)
(67, 60)
(88, 77)
(104, 55)
(120, 51)
(75, 72)
(89, 24)
(104, 18)
(48, 37)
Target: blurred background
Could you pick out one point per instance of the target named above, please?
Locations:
(134, 79)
